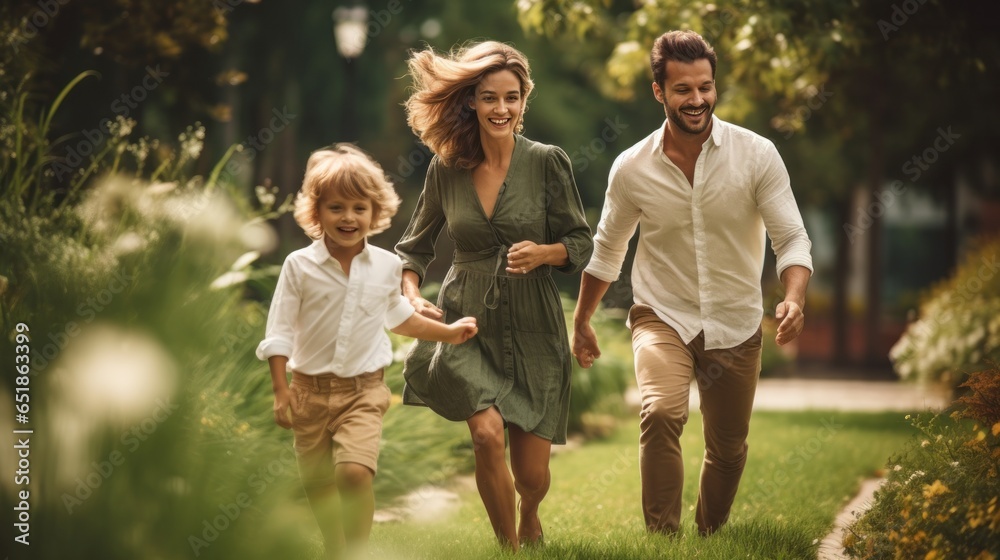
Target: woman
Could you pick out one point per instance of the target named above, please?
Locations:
(512, 208)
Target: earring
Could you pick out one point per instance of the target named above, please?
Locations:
(520, 127)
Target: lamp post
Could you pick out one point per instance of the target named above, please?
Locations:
(350, 30)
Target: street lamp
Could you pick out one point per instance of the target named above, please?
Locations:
(350, 29)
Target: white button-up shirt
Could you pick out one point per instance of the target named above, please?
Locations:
(701, 247)
(327, 322)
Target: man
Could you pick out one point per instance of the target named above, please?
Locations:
(704, 191)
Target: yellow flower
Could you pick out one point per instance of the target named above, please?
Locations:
(996, 429)
(935, 489)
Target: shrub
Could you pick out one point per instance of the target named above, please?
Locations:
(940, 499)
(959, 326)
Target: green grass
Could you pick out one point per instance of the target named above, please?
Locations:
(802, 469)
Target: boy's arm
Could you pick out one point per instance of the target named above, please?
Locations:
(282, 396)
(418, 326)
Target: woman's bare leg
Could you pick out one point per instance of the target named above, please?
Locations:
(529, 459)
(492, 476)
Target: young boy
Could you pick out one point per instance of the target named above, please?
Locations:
(326, 324)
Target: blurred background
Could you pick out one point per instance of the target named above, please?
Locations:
(150, 150)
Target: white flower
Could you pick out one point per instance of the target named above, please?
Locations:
(259, 236)
(128, 242)
(245, 260)
(106, 377)
(230, 278)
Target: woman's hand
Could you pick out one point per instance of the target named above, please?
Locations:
(411, 291)
(426, 308)
(525, 256)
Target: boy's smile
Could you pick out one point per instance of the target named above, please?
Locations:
(346, 223)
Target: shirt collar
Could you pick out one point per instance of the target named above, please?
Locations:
(320, 254)
(716, 136)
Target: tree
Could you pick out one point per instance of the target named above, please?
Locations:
(888, 69)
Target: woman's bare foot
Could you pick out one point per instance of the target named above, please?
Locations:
(529, 528)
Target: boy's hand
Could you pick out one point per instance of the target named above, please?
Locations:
(282, 406)
(462, 330)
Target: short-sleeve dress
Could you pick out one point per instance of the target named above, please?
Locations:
(520, 360)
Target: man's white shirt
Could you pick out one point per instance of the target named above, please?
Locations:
(701, 247)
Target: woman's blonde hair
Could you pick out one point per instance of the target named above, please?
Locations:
(443, 85)
(352, 174)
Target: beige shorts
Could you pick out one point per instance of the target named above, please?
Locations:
(337, 420)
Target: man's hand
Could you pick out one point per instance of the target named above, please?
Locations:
(585, 345)
(792, 322)
(282, 406)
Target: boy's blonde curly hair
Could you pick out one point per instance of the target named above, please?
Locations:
(354, 175)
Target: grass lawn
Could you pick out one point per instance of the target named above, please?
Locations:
(802, 469)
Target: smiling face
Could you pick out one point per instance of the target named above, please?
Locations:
(498, 104)
(688, 95)
(346, 222)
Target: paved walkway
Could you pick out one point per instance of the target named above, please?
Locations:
(827, 394)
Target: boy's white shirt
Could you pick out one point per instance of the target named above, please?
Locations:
(327, 322)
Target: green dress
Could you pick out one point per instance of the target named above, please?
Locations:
(520, 360)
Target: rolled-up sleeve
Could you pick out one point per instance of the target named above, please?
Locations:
(780, 213)
(279, 335)
(399, 309)
(565, 218)
(416, 247)
(619, 218)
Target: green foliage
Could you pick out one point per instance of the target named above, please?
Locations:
(941, 496)
(959, 325)
(598, 395)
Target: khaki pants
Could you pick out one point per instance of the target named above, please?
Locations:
(727, 380)
(337, 420)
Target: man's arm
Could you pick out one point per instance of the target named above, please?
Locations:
(795, 279)
(585, 346)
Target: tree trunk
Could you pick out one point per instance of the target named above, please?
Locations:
(874, 352)
(841, 273)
